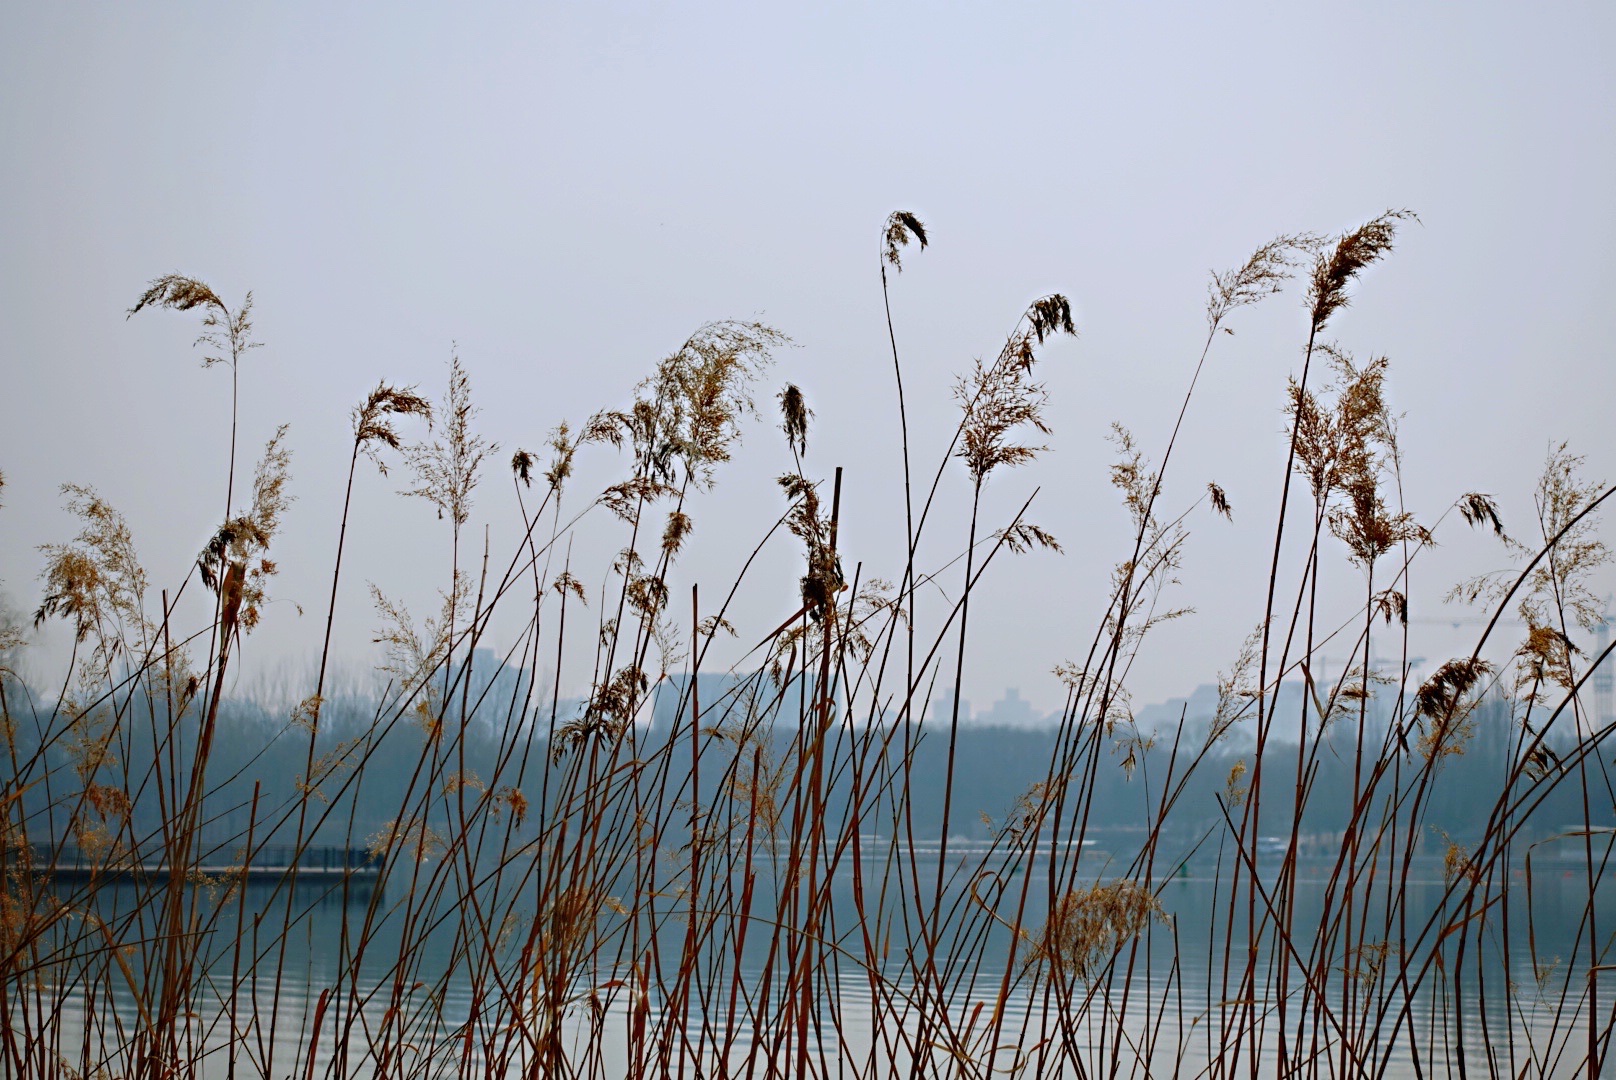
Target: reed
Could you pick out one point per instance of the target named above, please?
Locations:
(779, 867)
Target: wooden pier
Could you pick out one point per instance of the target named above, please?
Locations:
(274, 862)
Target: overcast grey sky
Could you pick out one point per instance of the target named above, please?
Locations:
(568, 190)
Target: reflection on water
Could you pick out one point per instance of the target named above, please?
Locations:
(338, 983)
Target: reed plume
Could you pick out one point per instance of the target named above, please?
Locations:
(795, 865)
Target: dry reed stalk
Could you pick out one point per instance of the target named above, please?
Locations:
(702, 896)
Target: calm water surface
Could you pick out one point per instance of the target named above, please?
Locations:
(1168, 1020)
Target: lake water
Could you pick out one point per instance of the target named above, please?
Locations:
(1520, 1009)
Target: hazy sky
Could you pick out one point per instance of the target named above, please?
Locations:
(567, 191)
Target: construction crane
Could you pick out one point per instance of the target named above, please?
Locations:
(1604, 678)
(1604, 712)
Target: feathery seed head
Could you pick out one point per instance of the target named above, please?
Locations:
(235, 562)
(372, 419)
(674, 534)
(1441, 703)
(900, 228)
(446, 469)
(178, 293)
(522, 466)
(1335, 268)
(563, 446)
(1087, 927)
(1050, 315)
(794, 417)
(1479, 509)
(1023, 536)
(1262, 275)
(229, 335)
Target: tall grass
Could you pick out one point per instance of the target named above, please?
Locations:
(766, 883)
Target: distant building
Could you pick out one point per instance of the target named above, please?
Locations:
(1604, 704)
(1195, 711)
(1285, 710)
(942, 708)
(495, 692)
(733, 698)
(1011, 711)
